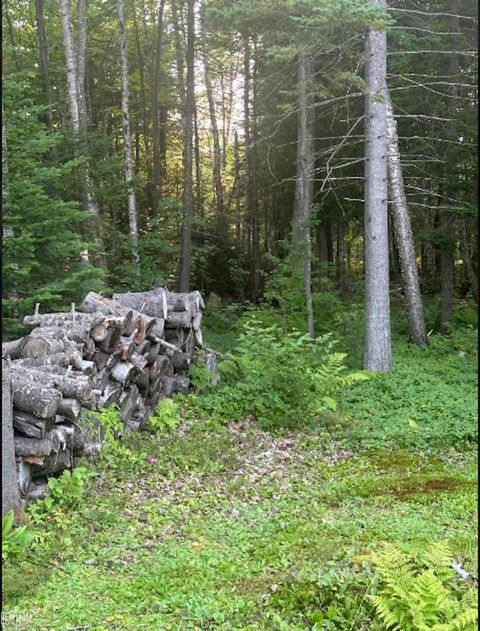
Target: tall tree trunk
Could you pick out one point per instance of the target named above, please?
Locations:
(71, 63)
(404, 236)
(43, 50)
(186, 244)
(198, 166)
(448, 220)
(236, 180)
(467, 261)
(143, 92)
(248, 215)
(132, 203)
(73, 84)
(341, 282)
(302, 247)
(157, 170)
(378, 353)
(217, 156)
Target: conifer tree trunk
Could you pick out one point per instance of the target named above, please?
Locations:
(236, 171)
(44, 63)
(157, 170)
(132, 203)
(404, 236)
(217, 155)
(143, 92)
(186, 244)
(466, 258)
(198, 206)
(378, 354)
(302, 247)
(447, 219)
(248, 215)
(341, 255)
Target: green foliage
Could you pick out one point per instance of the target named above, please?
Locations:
(65, 493)
(166, 417)
(421, 595)
(279, 378)
(15, 541)
(110, 422)
(433, 387)
(41, 255)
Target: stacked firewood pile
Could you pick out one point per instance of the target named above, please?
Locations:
(131, 350)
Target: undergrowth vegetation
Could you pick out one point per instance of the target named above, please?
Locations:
(296, 495)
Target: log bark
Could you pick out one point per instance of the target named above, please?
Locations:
(40, 400)
(13, 349)
(153, 303)
(88, 320)
(179, 320)
(70, 408)
(181, 384)
(37, 446)
(10, 495)
(24, 475)
(30, 425)
(128, 402)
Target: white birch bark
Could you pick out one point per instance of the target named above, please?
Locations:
(132, 204)
(404, 236)
(378, 353)
(71, 61)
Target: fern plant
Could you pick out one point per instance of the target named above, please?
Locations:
(423, 595)
(279, 378)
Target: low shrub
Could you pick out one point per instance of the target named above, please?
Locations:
(279, 378)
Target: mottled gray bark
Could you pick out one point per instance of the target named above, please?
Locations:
(447, 219)
(378, 353)
(404, 236)
(157, 172)
(186, 244)
(302, 246)
(43, 55)
(217, 155)
(10, 494)
(132, 203)
(71, 63)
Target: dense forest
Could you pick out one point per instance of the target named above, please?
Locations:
(240, 259)
(195, 143)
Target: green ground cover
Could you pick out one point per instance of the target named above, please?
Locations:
(235, 526)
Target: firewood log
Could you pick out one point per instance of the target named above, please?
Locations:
(89, 320)
(70, 408)
(13, 349)
(24, 475)
(30, 425)
(37, 446)
(127, 402)
(181, 383)
(38, 399)
(153, 303)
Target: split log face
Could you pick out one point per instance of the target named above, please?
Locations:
(30, 425)
(38, 346)
(53, 464)
(70, 408)
(122, 373)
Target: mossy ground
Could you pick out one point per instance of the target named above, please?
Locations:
(235, 527)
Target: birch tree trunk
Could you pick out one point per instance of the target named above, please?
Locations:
(378, 354)
(404, 236)
(186, 244)
(76, 100)
(302, 246)
(157, 172)
(132, 204)
(43, 54)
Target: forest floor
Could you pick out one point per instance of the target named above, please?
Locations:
(230, 526)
